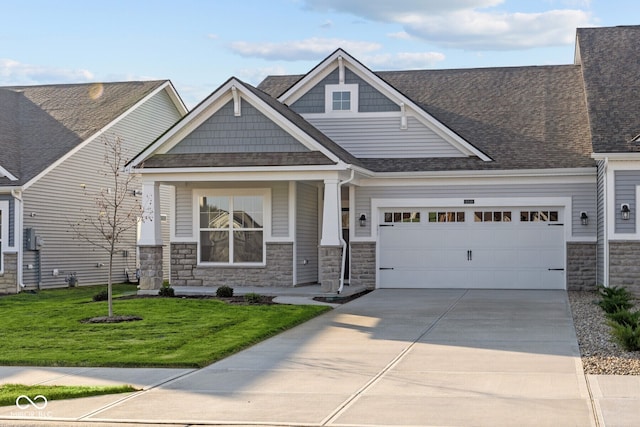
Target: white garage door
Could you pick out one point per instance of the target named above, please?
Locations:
(503, 248)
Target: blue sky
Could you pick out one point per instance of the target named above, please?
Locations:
(198, 44)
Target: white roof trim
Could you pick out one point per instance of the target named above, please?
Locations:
(165, 86)
(616, 156)
(211, 105)
(7, 174)
(327, 66)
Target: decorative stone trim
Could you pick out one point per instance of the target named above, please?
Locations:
(624, 268)
(9, 279)
(278, 271)
(330, 266)
(151, 276)
(581, 266)
(363, 264)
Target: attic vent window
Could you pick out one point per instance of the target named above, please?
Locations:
(341, 101)
(341, 98)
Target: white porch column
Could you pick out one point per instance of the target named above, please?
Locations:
(150, 229)
(331, 228)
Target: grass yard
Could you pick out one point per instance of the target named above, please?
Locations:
(45, 329)
(10, 392)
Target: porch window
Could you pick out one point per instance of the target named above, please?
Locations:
(231, 229)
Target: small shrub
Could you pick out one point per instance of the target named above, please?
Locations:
(101, 296)
(166, 291)
(253, 298)
(614, 299)
(625, 318)
(627, 336)
(224, 292)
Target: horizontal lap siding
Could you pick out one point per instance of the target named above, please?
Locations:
(307, 233)
(57, 200)
(583, 198)
(625, 192)
(381, 137)
(600, 271)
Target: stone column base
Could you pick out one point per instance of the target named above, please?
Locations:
(330, 264)
(150, 267)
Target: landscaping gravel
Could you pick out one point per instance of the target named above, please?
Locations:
(600, 354)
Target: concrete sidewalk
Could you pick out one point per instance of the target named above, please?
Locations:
(392, 357)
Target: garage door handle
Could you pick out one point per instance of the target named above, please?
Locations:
(386, 268)
(556, 269)
(469, 255)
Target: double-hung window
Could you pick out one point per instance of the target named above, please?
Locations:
(231, 228)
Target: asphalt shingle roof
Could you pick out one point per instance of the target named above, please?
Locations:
(40, 124)
(610, 60)
(521, 117)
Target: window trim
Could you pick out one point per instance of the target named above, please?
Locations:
(4, 231)
(328, 98)
(265, 193)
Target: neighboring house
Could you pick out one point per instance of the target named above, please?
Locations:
(51, 155)
(469, 178)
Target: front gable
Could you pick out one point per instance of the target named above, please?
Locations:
(249, 132)
(368, 117)
(238, 126)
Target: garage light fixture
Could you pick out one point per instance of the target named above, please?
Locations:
(584, 218)
(625, 211)
(362, 220)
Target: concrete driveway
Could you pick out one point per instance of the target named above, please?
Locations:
(392, 357)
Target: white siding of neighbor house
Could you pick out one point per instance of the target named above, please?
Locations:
(583, 198)
(57, 200)
(307, 233)
(184, 205)
(381, 137)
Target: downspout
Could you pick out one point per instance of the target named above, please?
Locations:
(17, 196)
(605, 220)
(342, 241)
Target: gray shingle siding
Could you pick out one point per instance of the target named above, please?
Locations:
(369, 99)
(251, 132)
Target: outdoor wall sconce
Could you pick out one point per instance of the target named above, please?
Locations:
(584, 218)
(137, 193)
(363, 220)
(625, 211)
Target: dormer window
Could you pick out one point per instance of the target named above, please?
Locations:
(341, 98)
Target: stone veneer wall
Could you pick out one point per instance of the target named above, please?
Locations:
(9, 279)
(330, 266)
(278, 270)
(581, 266)
(363, 264)
(624, 265)
(151, 276)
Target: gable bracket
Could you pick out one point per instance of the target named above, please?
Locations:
(237, 111)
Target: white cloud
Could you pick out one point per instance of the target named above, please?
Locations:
(469, 24)
(253, 76)
(16, 73)
(485, 31)
(326, 25)
(309, 49)
(400, 35)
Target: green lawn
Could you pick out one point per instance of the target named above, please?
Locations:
(10, 392)
(45, 329)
